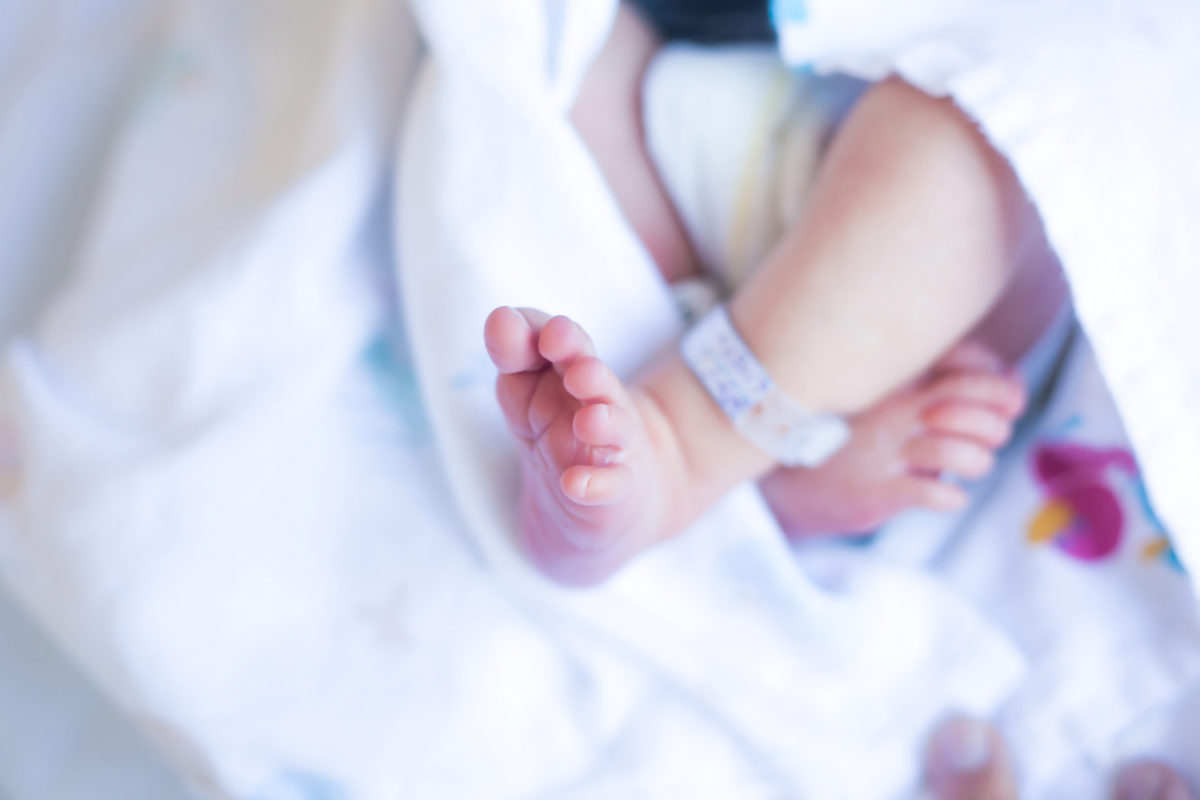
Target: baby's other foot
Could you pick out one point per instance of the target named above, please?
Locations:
(595, 490)
(906, 451)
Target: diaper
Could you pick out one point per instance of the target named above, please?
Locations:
(737, 138)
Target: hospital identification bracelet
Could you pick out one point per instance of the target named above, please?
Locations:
(760, 411)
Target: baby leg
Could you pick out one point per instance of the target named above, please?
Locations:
(914, 231)
(911, 236)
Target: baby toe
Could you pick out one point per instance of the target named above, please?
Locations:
(917, 491)
(589, 380)
(511, 338)
(1005, 393)
(982, 424)
(967, 760)
(603, 425)
(562, 342)
(937, 454)
(594, 486)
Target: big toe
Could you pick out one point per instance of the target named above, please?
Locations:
(1004, 393)
(511, 338)
(967, 760)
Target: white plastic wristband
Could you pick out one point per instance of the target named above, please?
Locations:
(760, 411)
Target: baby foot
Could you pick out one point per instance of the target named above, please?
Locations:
(595, 486)
(906, 450)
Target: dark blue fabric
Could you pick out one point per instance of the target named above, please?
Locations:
(710, 21)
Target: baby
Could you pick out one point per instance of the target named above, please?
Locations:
(894, 295)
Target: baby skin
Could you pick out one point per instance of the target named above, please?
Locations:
(605, 473)
(610, 469)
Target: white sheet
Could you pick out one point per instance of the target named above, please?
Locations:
(60, 739)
